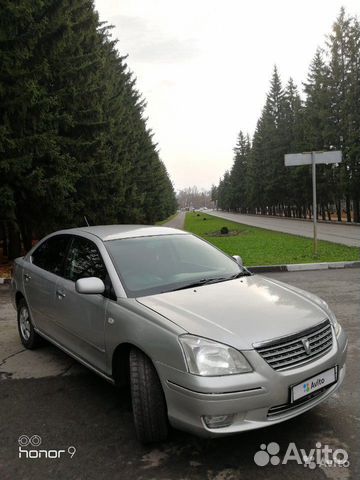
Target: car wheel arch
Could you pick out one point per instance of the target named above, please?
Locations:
(120, 363)
(19, 296)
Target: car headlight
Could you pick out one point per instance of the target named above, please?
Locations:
(331, 315)
(323, 305)
(208, 358)
(335, 323)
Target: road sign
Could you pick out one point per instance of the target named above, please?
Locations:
(292, 159)
(313, 158)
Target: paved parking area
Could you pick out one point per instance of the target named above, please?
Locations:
(46, 393)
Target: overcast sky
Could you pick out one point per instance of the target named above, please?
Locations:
(204, 67)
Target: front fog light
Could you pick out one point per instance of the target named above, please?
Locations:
(218, 421)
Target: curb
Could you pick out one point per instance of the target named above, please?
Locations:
(297, 267)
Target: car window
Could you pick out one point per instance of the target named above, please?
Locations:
(151, 265)
(84, 260)
(50, 254)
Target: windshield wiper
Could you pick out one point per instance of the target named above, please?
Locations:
(198, 283)
(207, 281)
(244, 273)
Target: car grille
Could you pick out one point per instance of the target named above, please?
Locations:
(286, 407)
(290, 352)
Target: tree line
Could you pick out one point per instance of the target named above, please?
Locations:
(193, 197)
(328, 118)
(74, 141)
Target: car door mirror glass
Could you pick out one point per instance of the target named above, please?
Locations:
(90, 285)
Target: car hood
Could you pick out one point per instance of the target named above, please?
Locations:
(239, 312)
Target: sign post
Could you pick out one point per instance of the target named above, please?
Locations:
(313, 158)
(313, 167)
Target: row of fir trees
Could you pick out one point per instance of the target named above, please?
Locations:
(328, 118)
(73, 137)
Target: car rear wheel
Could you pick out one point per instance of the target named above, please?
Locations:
(148, 400)
(29, 338)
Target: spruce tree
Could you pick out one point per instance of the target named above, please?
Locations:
(239, 172)
(73, 137)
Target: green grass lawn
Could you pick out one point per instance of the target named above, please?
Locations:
(258, 246)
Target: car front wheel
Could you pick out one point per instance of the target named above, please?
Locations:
(29, 338)
(148, 401)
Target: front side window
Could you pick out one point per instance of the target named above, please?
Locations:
(50, 254)
(84, 261)
(151, 265)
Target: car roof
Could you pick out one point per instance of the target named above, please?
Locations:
(115, 232)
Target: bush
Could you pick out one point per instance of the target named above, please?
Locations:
(224, 230)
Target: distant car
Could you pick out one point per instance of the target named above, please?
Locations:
(205, 345)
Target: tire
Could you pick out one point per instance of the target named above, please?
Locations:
(29, 338)
(148, 400)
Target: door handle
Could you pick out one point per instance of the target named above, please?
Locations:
(27, 277)
(60, 294)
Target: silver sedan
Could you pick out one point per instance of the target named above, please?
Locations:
(206, 346)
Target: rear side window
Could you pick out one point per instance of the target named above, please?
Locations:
(50, 254)
(84, 261)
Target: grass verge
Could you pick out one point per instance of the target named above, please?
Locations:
(258, 246)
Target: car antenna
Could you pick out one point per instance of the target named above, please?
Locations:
(86, 221)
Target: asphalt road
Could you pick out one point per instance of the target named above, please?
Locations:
(176, 222)
(46, 393)
(344, 234)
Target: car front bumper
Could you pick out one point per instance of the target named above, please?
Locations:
(248, 397)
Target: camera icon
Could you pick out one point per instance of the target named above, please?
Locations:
(25, 441)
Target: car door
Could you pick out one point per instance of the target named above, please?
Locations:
(40, 275)
(82, 316)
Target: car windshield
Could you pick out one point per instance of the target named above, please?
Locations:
(157, 264)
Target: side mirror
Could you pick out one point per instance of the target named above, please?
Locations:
(90, 285)
(238, 260)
